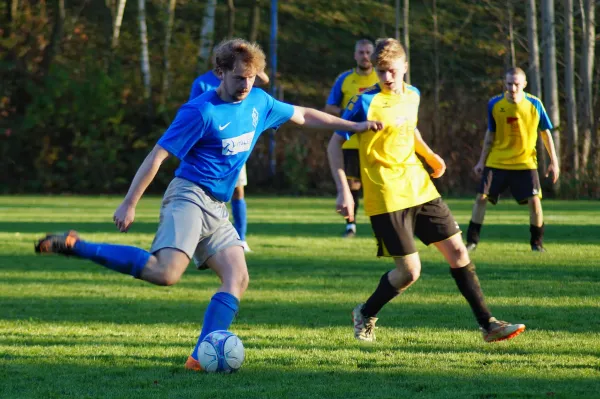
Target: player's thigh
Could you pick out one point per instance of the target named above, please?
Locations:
(454, 250)
(493, 183)
(352, 165)
(222, 238)
(170, 264)
(394, 233)
(434, 222)
(525, 184)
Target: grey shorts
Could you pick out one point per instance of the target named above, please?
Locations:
(194, 223)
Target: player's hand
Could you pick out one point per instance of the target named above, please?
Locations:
(124, 216)
(555, 170)
(344, 205)
(368, 125)
(437, 164)
(478, 169)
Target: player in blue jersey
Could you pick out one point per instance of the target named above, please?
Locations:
(210, 81)
(212, 136)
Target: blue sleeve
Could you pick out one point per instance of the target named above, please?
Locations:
(196, 90)
(354, 112)
(278, 113)
(491, 120)
(545, 123)
(336, 95)
(184, 132)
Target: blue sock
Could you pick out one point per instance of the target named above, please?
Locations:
(218, 316)
(238, 208)
(120, 258)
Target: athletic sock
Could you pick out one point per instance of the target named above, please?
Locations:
(537, 234)
(384, 293)
(218, 316)
(473, 232)
(120, 258)
(238, 208)
(355, 196)
(468, 284)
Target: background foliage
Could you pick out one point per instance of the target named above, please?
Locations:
(78, 122)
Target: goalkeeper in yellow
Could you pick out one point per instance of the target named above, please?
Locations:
(509, 159)
(399, 196)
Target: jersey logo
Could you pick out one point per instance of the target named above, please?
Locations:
(237, 144)
(224, 126)
(254, 117)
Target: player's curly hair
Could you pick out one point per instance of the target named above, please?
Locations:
(230, 50)
(386, 51)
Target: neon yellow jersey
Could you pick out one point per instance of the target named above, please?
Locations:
(515, 127)
(347, 85)
(392, 175)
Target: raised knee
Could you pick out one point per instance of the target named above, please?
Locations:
(481, 199)
(412, 275)
(168, 277)
(243, 282)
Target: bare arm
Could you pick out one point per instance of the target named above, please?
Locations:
(344, 202)
(549, 144)
(262, 79)
(125, 213)
(434, 160)
(333, 109)
(488, 140)
(310, 117)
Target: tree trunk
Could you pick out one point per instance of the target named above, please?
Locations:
(534, 75)
(587, 67)
(117, 23)
(406, 36)
(166, 61)
(550, 77)
(206, 36)
(254, 21)
(573, 148)
(145, 63)
(53, 48)
(436, 66)
(511, 62)
(230, 18)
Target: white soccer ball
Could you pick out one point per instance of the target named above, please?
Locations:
(221, 352)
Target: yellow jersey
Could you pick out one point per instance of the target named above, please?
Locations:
(515, 127)
(392, 175)
(347, 85)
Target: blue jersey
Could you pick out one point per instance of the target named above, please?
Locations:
(204, 83)
(213, 138)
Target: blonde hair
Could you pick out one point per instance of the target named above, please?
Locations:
(229, 51)
(386, 51)
(363, 42)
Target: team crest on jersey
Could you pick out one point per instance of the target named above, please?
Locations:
(254, 117)
(238, 144)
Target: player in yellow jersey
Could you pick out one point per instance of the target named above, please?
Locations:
(347, 85)
(400, 197)
(508, 157)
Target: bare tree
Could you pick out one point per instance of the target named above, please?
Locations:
(118, 19)
(572, 132)
(166, 60)
(53, 48)
(436, 66)
(550, 77)
(206, 36)
(587, 67)
(406, 36)
(230, 18)
(510, 37)
(146, 75)
(254, 21)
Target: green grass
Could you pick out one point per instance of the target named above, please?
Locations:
(69, 328)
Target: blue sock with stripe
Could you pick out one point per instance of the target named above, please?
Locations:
(218, 316)
(238, 209)
(120, 258)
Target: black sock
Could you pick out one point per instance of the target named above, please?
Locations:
(468, 284)
(473, 232)
(384, 293)
(537, 235)
(355, 196)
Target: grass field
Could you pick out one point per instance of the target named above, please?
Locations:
(70, 328)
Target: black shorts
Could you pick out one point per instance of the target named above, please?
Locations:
(523, 184)
(352, 164)
(431, 222)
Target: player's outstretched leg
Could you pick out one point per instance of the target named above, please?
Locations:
(121, 258)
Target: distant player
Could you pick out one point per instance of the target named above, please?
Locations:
(400, 197)
(210, 81)
(212, 136)
(509, 159)
(347, 85)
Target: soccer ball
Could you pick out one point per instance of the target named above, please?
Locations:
(221, 352)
